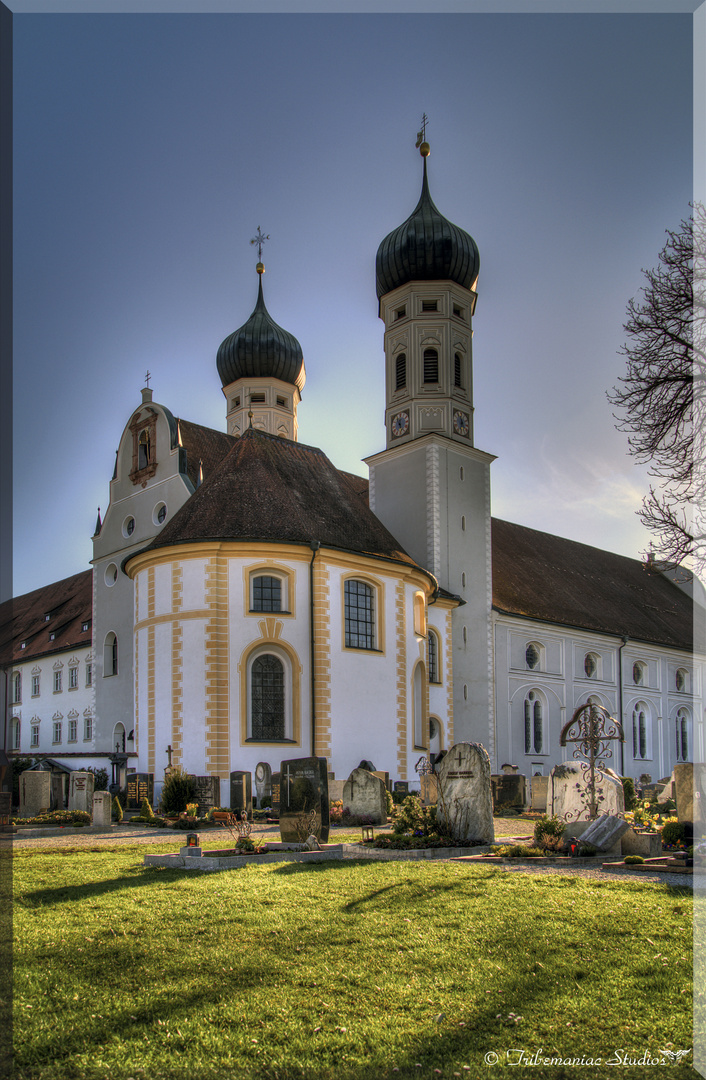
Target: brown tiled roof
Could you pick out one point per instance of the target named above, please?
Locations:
(69, 605)
(547, 577)
(274, 489)
(204, 445)
(359, 483)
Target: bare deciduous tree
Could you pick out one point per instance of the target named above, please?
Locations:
(660, 399)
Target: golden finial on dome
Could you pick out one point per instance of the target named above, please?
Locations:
(421, 143)
(259, 239)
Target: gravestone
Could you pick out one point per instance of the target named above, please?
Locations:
(538, 793)
(509, 791)
(568, 796)
(102, 809)
(5, 807)
(384, 776)
(263, 784)
(364, 794)
(58, 791)
(81, 791)
(207, 793)
(667, 789)
(367, 765)
(140, 786)
(509, 770)
(466, 801)
(400, 791)
(605, 832)
(275, 793)
(684, 792)
(429, 789)
(241, 793)
(335, 790)
(303, 788)
(35, 792)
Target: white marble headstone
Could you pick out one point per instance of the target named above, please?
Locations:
(465, 796)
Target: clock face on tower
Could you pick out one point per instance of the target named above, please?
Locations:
(400, 424)
(460, 423)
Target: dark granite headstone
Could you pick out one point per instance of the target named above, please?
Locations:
(509, 791)
(207, 793)
(303, 788)
(241, 793)
(401, 787)
(275, 793)
(140, 786)
(5, 807)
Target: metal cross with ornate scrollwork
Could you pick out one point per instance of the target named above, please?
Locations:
(259, 239)
(422, 135)
(592, 729)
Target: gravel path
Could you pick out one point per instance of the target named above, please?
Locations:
(133, 836)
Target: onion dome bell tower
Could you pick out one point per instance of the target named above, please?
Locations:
(431, 485)
(426, 273)
(261, 368)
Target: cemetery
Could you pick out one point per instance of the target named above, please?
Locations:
(411, 916)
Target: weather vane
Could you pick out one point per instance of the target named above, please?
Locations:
(259, 239)
(422, 135)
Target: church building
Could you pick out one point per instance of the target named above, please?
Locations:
(250, 602)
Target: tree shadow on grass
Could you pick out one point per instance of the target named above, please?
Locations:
(62, 894)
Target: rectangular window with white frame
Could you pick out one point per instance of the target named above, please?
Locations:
(72, 730)
(89, 674)
(35, 686)
(73, 678)
(56, 732)
(57, 682)
(34, 739)
(87, 728)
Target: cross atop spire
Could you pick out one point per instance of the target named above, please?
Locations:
(148, 376)
(422, 135)
(259, 239)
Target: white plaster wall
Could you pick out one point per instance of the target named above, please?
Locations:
(193, 669)
(193, 584)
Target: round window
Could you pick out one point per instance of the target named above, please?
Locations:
(128, 526)
(159, 514)
(111, 575)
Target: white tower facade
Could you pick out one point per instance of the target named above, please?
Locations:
(431, 485)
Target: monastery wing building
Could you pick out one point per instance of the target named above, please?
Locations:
(250, 602)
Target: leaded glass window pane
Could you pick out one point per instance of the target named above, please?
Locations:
(537, 727)
(359, 615)
(528, 728)
(267, 594)
(589, 666)
(267, 694)
(532, 656)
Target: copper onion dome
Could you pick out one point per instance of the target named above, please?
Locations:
(261, 349)
(426, 247)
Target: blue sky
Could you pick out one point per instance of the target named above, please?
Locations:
(148, 148)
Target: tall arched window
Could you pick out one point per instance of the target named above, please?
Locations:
(682, 733)
(639, 731)
(267, 717)
(534, 723)
(143, 449)
(16, 734)
(419, 725)
(433, 658)
(119, 739)
(17, 688)
(359, 613)
(400, 371)
(110, 655)
(431, 366)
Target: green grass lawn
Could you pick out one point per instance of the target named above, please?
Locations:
(339, 971)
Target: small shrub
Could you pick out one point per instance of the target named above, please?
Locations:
(185, 823)
(519, 851)
(633, 860)
(548, 842)
(548, 826)
(673, 834)
(77, 818)
(335, 811)
(389, 803)
(412, 817)
(146, 811)
(116, 810)
(629, 792)
(179, 789)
